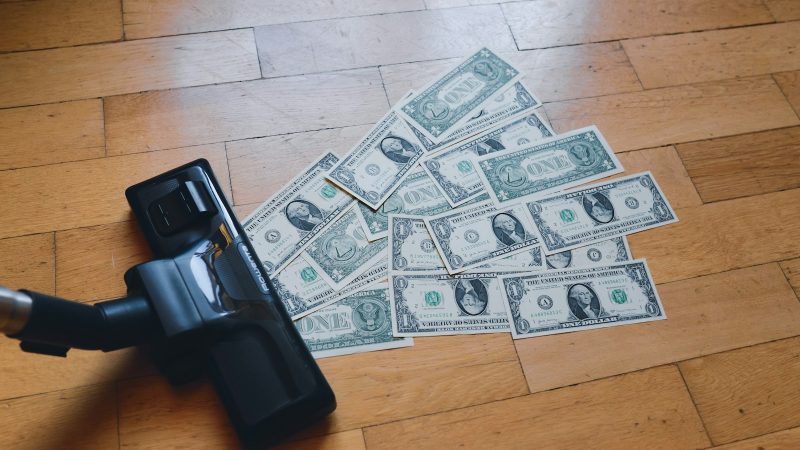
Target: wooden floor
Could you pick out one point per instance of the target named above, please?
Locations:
(96, 95)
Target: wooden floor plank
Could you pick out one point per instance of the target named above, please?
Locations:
(747, 392)
(786, 439)
(95, 272)
(308, 47)
(678, 114)
(791, 269)
(649, 409)
(86, 193)
(715, 55)
(74, 73)
(540, 24)
(704, 315)
(84, 418)
(668, 170)
(784, 10)
(48, 134)
(261, 167)
(56, 23)
(346, 440)
(790, 85)
(435, 4)
(28, 263)
(740, 166)
(149, 18)
(723, 236)
(169, 119)
(371, 388)
(552, 74)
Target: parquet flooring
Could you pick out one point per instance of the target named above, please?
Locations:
(97, 95)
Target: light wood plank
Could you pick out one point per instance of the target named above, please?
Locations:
(86, 193)
(346, 440)
(668, 170)
(95, 272)
(787, 439)
(704, 315)
(790, 86)
(261, 167)
(56, 23)
(744, 165)
(84, 418)
(648, 409)
(552, 74)
(435, 4)
(722, 236)
(791, 269)
(371, 388)
(148, 18)
(715, 55)
(108, 69)
(243, 211)
(169, 119)
(307, 47)
(747, 392)
(678, 114)
(784, 10)
(50, 134)
(28, 263)
(549, 23)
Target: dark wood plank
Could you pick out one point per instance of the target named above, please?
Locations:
(747, 392)
(74, 73)
(649, 409)
(791, 269)
(169, 119)
(740, 166)
(790, 85)
(540, 24)
(678, 114)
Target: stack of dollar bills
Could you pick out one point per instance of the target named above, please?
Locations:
(460, 212)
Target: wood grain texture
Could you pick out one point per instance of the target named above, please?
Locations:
(169, 119)
(747, 392)
(668, 170)
(95, 271)
(307, 47)
(678, 114)
(34, 271)
(552, 74)
(722, 236)
(84, 418)
(86, 193)
(346, 440)
(715, 55)
(56, 23)
(649, 409)
(704, 315)
(434, 4)
(784, 10)
(790, 86)
(745, 165)
(550, 23)
(148, 18)
(48, 134)
(261, 167)
(780, 440)
(61, 74)
(371, 388)
(791, 269)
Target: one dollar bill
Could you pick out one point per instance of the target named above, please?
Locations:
(599, 212)
(570, 300)
(554, 164)
(476, 234)
(437, 304)
(377, 165)
(453, 168)
(599, 253)
(450, 101)
(285, 224)
(361, 322)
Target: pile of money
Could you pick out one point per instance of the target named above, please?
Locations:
(460, 212)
